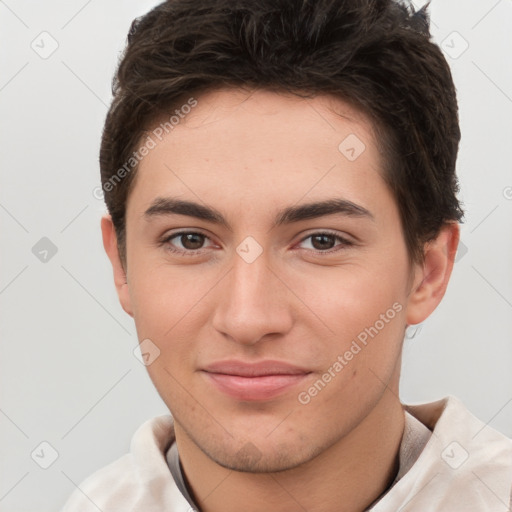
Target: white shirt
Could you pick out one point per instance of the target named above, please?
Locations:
(462, 465)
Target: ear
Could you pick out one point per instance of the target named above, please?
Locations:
(431, 279)
(112, 250)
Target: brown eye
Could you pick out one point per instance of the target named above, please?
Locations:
(325, 242)
(192, 241)
(186, 242)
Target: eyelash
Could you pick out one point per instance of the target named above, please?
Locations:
(166, 242)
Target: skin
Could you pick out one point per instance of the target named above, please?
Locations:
(249, 155)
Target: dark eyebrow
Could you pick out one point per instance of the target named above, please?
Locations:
(170, 206)
(320, 209)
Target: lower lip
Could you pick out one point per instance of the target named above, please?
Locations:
(254, 388)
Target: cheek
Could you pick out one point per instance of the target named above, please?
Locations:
(171, 309)
(362, 313)
(162, 295)
(352, 297)
(365, 318)
(153, 309)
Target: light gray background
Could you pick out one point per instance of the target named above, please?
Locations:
(68, 373)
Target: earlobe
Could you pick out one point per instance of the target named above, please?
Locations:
(431, 279)
(112, 250)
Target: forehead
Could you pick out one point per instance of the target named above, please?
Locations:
(236, 144)
(263, 111)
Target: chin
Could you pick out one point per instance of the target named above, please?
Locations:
(250, 459)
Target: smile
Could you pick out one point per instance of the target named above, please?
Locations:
(260, 381)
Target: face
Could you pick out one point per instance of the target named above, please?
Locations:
(266, 261)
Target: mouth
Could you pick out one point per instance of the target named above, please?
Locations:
(252, 382)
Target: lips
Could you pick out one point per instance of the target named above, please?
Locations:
(254, 381)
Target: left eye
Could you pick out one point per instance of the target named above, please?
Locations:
(324, 241)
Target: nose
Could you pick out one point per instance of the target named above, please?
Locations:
(253, 302)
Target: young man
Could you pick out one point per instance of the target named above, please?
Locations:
(280, 179)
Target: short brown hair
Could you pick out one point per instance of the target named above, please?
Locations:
(374, 54)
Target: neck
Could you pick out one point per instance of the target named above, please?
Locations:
(347, 477)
